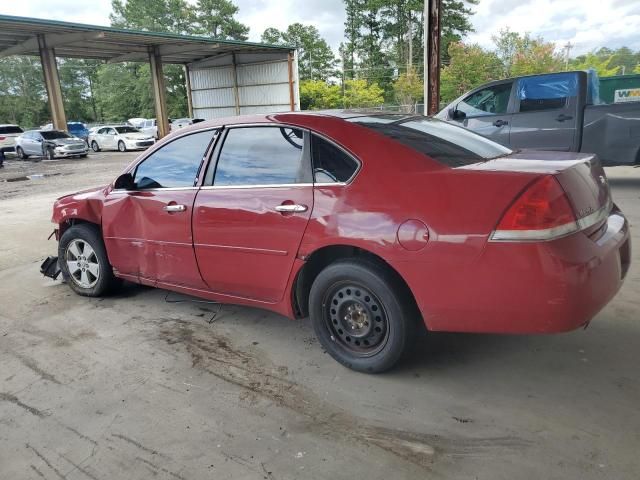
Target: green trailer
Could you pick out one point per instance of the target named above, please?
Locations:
(628, 87)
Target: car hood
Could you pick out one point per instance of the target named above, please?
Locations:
(66, 141)
(136, 136)
(84, 194)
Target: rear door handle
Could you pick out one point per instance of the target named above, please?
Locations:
(174, 208)
(291, 208)
(500, 123)
(562, 117)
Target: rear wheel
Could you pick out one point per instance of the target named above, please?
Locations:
(121, 146)
(95, 147)
(83, 261)
(361, 315)
(20, 153)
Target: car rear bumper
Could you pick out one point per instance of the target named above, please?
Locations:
(6, 149)
(538, 287)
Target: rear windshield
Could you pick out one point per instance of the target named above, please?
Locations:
(448, 144)
(53, 134)
(127, 130)
(10, 129)
(76, 126)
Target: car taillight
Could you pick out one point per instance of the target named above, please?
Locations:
(2, 138)
(541, 212)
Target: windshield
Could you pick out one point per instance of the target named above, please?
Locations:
(127, 130)
(53, 135)
(449, 144)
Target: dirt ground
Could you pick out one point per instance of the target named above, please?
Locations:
(138, 386)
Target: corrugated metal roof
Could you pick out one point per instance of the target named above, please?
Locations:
(18, 36)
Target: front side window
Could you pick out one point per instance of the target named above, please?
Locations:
(176, 164)
(330, 163)
(546, 92)
(488, 101)
(262, 156)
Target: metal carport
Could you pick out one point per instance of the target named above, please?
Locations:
(216, 67)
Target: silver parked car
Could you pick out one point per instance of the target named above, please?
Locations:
(119, 137)
(49, 144)
(8, 135)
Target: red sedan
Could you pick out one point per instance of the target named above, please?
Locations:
(372, 225)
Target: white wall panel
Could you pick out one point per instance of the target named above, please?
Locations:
(263, 85)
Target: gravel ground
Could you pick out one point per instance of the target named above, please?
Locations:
(135, 386)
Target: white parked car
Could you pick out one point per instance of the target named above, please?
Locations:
(184, 122)
(119, 137)
(8, 135)
(146, 125)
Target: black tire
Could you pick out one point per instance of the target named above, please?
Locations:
(95, 147)
(121, 146)
(84, 155)
(20, 153)
(369, 300)
(104, 281)
(50, 154)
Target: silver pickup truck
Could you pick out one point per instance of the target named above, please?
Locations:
(556, 111)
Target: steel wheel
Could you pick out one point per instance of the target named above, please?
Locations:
(82, 263)
(356, 319)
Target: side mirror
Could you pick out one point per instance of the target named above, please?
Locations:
(456, 114)
(125, 182)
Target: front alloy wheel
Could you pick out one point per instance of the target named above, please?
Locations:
(83, 264)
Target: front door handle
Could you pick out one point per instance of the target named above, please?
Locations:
(562, 117)
(174, 208)
(500, 123)
(291, 208)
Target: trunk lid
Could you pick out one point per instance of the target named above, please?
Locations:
(581, 176)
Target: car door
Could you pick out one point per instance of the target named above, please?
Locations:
(487, 112)
(147, 228)
(546, 112)
(249, 220)
(110, 139)
(35, 144)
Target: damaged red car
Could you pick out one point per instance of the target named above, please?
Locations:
(372, 225)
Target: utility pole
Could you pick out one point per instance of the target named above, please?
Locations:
(410, 60)
(567, 48)
(432, 56)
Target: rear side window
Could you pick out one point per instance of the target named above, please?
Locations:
(448, 144)
(176, 164)
(262, 156)
(330, 163)
(546, 92)
(10, 129)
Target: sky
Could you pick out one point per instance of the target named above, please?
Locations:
(586, 24)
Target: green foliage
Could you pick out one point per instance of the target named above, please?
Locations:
(521, 54)
(601, 64)
(315, 58)
(469, 67)
(359, 93)
(408, 88)
(318, 94)
(23, 98)
(215, 18)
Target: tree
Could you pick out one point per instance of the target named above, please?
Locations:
(601, 64)
(524, 55)
(23, 99)
(318, 94)
(408, 89)
(216, 18)
(315, 58)
(470, 66)
(359, 93)
(176, 16)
